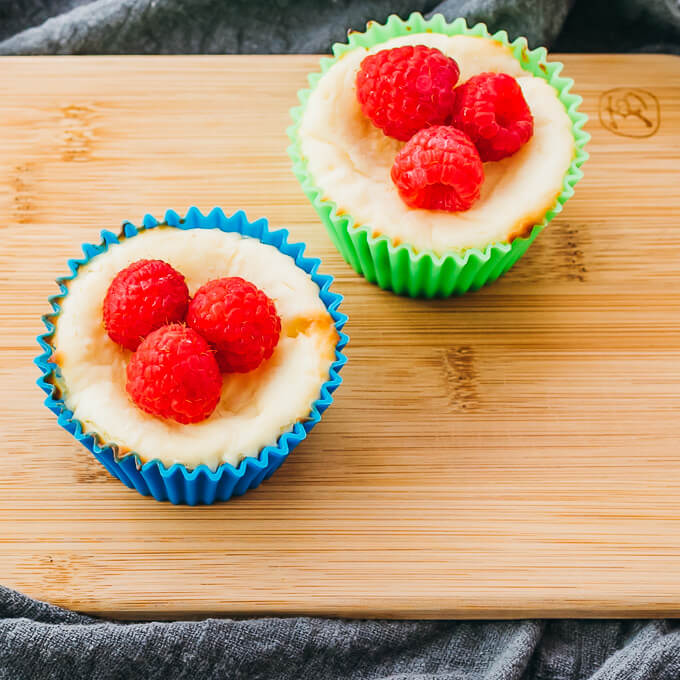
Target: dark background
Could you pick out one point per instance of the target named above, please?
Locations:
(310, 26)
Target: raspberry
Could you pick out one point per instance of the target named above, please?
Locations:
(405, 89)
(490, 108)
(238, 319)
(142, 297)
(174, 374)
(438, 169)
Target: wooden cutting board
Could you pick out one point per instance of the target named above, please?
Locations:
(511, 453)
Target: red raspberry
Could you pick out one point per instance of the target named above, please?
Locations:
(238, 319)
(142, 297)
(438, 169)
(490, 108)
(174, 374)
(405, 89)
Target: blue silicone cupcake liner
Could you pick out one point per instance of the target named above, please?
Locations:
(177, 483)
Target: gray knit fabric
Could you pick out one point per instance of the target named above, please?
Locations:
(278, 26)
(38, 641)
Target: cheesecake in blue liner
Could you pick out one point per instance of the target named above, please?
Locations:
(261, 414)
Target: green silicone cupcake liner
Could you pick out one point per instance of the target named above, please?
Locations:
(425, 273)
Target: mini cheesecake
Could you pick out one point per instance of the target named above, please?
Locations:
(255, 408)
(350, 159)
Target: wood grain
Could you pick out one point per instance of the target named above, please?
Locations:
(515, 452)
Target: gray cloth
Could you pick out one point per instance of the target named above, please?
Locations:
(38, 641)
(263, 26)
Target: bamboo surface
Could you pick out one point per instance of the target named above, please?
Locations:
(511, 453)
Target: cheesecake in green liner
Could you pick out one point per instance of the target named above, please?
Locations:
(343, 162)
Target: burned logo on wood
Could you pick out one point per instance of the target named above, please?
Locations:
(629, 112)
